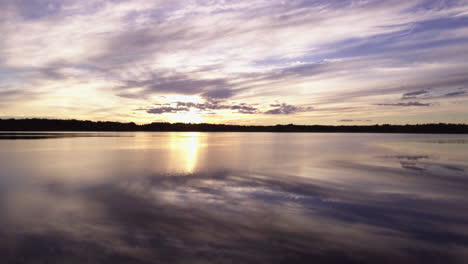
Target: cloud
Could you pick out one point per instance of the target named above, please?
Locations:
(209, 105)
(219, 105)
(424, 94)
(407, 104)
(218, 93)
(414, 94)
(245, 109)
(215, 105)
(177, 84)
(235, 50)
(31, 9)
(10, 96)
(7, 94)
(354, 120)
(285, 109)
(457, 93)
(166, 109)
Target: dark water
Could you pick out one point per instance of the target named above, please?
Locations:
(233, 198)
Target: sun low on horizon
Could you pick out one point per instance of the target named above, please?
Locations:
(235, 62)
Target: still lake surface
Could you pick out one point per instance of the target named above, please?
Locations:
(233, 198)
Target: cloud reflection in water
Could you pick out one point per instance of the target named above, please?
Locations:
(356, 212)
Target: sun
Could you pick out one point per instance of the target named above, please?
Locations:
(186, 117)
(181, 98)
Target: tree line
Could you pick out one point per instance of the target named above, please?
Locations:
(36, 124)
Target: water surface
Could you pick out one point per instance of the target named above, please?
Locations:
(233, 198)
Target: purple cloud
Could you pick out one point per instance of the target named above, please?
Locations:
(285, 109)
(407, 104)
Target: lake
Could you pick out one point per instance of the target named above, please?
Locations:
(233, 198)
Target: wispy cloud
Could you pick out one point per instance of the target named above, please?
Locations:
(407, 104)
(415, 94)
(179, 84)
(166, 109)
(354, 120)
(209, 106)
(123, 53)
(213, 105)
(457, 93)
(285, 109)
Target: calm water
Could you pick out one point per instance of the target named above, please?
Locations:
(233, 198)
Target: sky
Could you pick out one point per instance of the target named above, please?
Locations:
(237, 62)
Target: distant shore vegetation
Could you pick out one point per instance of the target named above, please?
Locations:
(36, 124)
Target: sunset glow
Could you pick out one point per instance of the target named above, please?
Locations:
(242, 62)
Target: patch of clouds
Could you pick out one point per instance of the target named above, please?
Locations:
(286, 109)
(166, 109)
(237, 51)
(415, 94)
(425, 94)
(216, 88)
(354, 120)
(209, 106)
(10, 96)
(406, 104)
(457, 93)
(220, 105)
(213, 105)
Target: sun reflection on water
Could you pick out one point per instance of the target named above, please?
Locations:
(186, 147)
